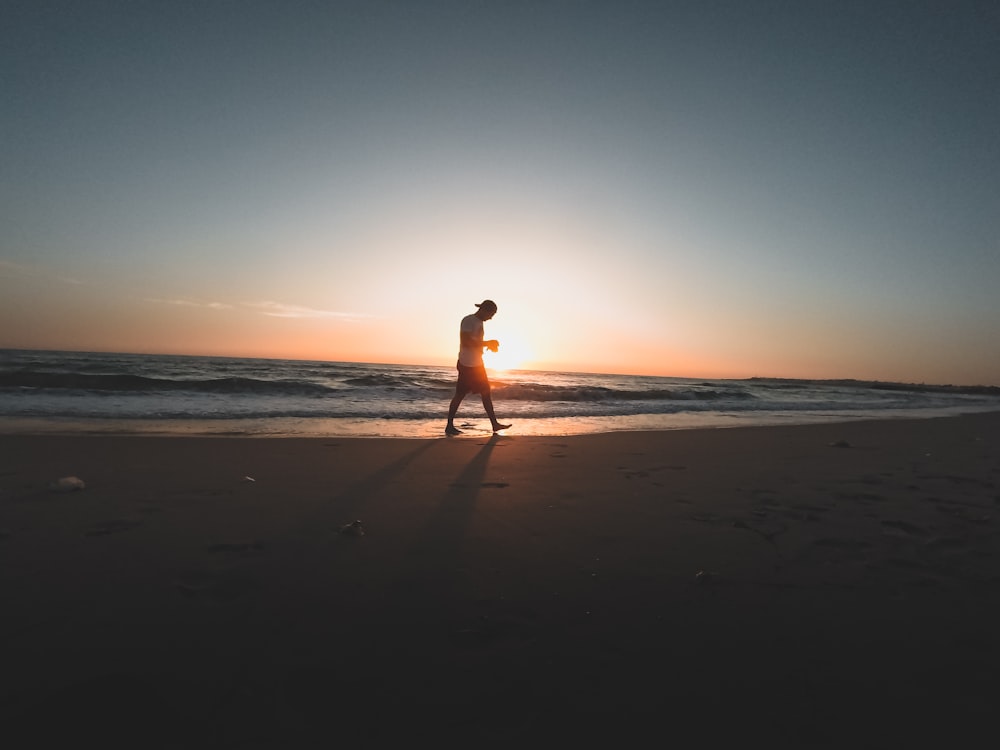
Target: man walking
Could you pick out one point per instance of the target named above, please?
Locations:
(471, 371)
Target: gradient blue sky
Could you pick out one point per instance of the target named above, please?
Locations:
(797, 188)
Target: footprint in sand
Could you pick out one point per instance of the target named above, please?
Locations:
(805, 512)
(113, 527)
(238, 548)
(706, 517)
(907, 529)
(865, 498)
(954, 479)
(810, 507)
(947, 542)
(767, 530)
(200, 584)
(486, 630)
(963, 513)
(633, 473)
(914, 565)
(797, 512)
(842, 543)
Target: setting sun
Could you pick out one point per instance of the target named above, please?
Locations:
(512, 355)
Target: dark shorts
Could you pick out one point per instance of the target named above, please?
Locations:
(472, 379)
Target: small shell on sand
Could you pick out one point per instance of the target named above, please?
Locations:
(67, 484)
(354, 528)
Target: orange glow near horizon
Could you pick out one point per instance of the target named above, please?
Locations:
(537, 329)
(507, 357)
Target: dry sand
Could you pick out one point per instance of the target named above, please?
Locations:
(818, 586)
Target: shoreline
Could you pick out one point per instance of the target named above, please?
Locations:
(472, 426)
(813, 584)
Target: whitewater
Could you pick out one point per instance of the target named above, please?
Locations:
(86, 392)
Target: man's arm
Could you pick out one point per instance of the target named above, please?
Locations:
(474, 340)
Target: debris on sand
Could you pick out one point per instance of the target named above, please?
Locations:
(67, 484)
(706, 578)
(354, 528)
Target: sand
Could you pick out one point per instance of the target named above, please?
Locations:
(810, 586)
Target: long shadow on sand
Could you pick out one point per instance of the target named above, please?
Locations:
(349, 502)
(438, 548)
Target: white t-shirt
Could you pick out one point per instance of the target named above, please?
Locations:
(470, 357)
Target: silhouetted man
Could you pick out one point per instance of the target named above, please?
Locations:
(471, 371)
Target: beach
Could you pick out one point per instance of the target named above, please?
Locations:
(826, 585)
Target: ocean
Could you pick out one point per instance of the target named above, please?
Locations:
(84, 392)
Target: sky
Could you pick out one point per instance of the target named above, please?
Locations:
(774, 188)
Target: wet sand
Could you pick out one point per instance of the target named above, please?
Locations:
(809, 586)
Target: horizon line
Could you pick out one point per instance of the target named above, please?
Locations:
(841, 379)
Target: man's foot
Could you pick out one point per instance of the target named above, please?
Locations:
(497, 427)
(452, 430)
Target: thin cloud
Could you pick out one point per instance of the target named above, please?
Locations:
(9, 269)
(190, 303)
(282, 310)
(9, 265)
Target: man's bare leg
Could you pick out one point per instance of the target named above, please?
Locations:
(451, 429)
(488, 405)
